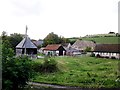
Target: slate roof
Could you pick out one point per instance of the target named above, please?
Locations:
(113, 48)
(65, 44)
(37, 43)
(82, 44)
(26, 43)
(52, 47)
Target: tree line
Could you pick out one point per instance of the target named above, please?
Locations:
(51, 38)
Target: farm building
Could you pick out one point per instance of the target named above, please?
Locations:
(54, 49)
(72, 52)
(82, 45)
(107, 50)
(26, 47)
(66, 45)
(38, 42)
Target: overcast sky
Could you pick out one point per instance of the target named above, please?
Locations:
(68, 18)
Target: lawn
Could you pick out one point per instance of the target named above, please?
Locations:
(82, 71)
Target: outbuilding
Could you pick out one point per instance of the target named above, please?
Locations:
(107, 50)
(26, 47)
(55, 50)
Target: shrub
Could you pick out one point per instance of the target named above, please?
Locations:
(113, 57)
(16, 72)
(49, 65)
(36, 67)
(88, 49)
(92, 55)
(98, 56)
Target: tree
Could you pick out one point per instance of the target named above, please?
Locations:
(63, 40)
(16, 71)
(51, 38)
(15, 39)
(88, 49)
(4, 36)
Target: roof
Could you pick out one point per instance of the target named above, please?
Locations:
(26, 43)
(37, 43)
(82, 44)
(107, 48)
(53, 47)
(65, 44)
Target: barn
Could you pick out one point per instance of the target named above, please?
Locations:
(55, 50)
(83, 44)
(107, 50)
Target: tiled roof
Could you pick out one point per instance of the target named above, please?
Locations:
(52, 47)
(107, 48)
(26, 43)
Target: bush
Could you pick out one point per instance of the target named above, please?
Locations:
(98, 56)
(92, 55)
(16, 72)
(49, 65)
(88, 49)
(36, 67)
(113, 57)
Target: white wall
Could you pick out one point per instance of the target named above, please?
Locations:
(116, 55)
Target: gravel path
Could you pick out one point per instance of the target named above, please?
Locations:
(51, 86)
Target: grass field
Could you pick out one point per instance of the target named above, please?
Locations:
(83, 71)
(102, 40)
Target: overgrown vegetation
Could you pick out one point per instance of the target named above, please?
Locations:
(16, 72)
(49, 65)
(87, 72)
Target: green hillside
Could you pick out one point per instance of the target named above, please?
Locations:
(102, 40)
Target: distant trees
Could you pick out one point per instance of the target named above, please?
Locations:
(13, 39)
(52, 38)
(111, 33)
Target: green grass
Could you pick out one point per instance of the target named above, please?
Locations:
(102, 40)
(89, 72)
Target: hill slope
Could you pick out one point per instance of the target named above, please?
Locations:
(102, 40)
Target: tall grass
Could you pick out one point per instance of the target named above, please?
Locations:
(83, 71)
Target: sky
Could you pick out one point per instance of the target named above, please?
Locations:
(67, 18)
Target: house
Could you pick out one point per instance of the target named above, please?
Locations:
(54, 49)
(26, 47)
(66, 45)
(82, 45)
(107, 50)
(72, 52)
(38, 42)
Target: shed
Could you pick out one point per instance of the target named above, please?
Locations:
(55, 49)
(26, 47)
